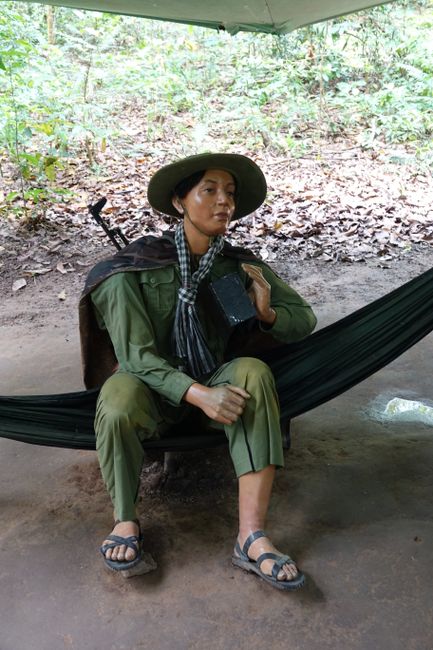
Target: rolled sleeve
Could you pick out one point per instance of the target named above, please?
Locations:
(295, 318)
(293, 322)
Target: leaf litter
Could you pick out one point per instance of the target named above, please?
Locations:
(325, 205)
(339, 210)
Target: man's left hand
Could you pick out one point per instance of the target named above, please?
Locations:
(260, 294)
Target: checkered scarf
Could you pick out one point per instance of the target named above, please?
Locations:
(188, 338)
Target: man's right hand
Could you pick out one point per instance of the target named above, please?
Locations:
(223, 404)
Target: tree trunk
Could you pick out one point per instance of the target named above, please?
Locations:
(50, 24)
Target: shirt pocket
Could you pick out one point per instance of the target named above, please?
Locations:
(159, 289)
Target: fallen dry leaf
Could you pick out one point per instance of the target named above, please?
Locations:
(19, 284)
(61, 268)
(36, 271)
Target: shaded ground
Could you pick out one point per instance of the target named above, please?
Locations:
(353, 505)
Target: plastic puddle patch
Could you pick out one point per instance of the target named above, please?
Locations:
(408, 410)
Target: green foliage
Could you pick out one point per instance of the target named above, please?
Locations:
(115, 80)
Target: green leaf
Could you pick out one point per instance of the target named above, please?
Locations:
(50, 160)
(50, 172)
(31, 158)
(46, 128)
(2, 65)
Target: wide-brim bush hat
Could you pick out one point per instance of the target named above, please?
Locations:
(250, 182)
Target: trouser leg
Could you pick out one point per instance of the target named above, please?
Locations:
(255, 439)
(126, 413)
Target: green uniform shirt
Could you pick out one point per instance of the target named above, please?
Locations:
(138, 309)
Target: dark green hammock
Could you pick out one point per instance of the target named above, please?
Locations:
(307, 373)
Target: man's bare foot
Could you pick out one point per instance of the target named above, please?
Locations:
(123, 553)
(264, 545)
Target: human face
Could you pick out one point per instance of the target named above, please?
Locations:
(209, 205)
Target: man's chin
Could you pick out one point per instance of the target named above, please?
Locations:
(221, 226)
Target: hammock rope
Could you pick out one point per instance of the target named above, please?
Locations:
(307, 373)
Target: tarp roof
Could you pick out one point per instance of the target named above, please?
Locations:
(270, 16)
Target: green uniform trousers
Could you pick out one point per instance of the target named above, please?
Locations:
(129, 412)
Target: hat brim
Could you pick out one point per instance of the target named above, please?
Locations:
(250, 182)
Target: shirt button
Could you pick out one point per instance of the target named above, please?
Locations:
(152, 280)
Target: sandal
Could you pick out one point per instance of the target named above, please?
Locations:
(132, 541)
(241, 559)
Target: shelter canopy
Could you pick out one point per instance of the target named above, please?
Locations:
(269, 16)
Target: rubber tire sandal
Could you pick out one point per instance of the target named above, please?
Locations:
(241, 559)
(132, 541)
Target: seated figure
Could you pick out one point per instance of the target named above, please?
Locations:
(160, 343)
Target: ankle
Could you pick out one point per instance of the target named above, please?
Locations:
(131, 526)
(245, 532)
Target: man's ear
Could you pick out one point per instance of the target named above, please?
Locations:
(177, 204)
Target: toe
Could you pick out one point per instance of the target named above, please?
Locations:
(130, 554)
(288, 572)
(121, 552)
(108, 553)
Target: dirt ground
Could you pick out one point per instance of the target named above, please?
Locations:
(353, 505)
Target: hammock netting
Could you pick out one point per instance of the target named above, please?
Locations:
(307, 373)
